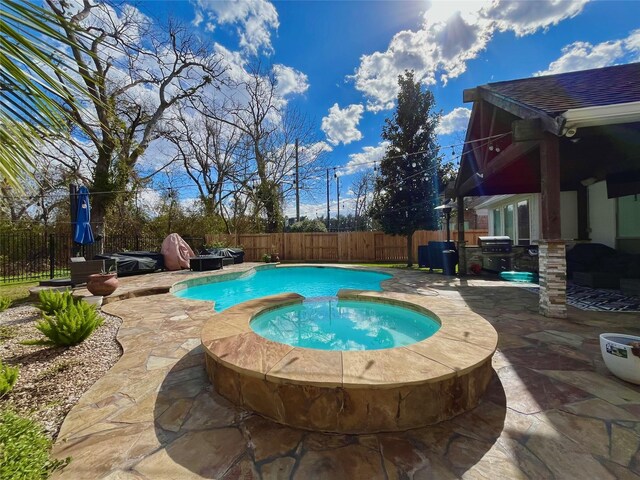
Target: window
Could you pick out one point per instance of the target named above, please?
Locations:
(508, 222)
(497, 222)
(629, 216)
(524, 228)
(514, 221)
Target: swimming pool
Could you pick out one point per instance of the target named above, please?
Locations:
(306, 281)
(345, 325)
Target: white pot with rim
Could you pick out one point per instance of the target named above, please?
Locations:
(618, 356)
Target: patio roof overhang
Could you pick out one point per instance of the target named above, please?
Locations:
(502, 153)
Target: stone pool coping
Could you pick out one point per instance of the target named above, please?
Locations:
(284, 382)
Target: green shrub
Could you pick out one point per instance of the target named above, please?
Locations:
(266, 258)
(8, 378)
(52, 301)
(5, 303)
(307, 225)
(70, 326)
(24, 449)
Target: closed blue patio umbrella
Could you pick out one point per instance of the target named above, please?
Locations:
(82, 233)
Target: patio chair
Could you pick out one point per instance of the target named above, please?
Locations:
(81, 269)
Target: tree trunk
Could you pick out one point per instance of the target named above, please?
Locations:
(410, 250)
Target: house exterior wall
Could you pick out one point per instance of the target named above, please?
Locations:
(568, 213)
(602, 215)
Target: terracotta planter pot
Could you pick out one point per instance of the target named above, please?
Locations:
(102, 284)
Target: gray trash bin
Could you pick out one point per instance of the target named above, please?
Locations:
(449, 260)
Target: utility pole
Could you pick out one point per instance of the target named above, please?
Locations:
(297, 186)
(328, 208)
(335, 174)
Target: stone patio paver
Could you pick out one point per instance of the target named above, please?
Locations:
(551, 411)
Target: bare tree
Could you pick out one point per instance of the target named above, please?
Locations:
(362, 187)
(270, 129)
(207, 148)
(135, 75)
(41, 198)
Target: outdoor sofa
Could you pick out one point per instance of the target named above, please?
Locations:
(80, 269)
(598, 266)
(134, 263)
(229, 254)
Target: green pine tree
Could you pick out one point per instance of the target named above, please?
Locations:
(407, 188)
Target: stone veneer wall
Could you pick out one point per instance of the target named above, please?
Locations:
(353, 410)
(522, 261)
(473, 255)
(553, 278)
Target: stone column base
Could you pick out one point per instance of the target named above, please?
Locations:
(553, 278)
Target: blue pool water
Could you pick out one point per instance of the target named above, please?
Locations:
(306, 281)
(344, 325)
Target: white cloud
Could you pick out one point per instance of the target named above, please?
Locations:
(364, 160)
(289, 80)
(256, 20)
(198, 20)
(584, 55)
(314, 149)
(309, 210)
(452, 33)
(632, 44)
(341, 125)
(454, 121)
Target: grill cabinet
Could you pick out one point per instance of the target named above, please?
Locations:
(496, 253)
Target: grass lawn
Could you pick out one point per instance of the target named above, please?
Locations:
(17, 292)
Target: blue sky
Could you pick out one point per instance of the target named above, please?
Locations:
(350, 52)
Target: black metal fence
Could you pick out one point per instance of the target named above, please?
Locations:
(28, 255)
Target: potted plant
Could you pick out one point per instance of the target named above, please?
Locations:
(621, 355)
(103, 283)
(266, 258)
(475, 268)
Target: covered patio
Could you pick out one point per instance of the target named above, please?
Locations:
(553, 134)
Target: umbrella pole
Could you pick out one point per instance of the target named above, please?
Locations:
(73, 203)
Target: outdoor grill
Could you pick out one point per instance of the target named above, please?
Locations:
(496, 253)
(495, 244)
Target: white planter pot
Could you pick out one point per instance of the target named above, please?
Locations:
(618, 357)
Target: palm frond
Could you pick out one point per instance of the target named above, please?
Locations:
(35, 84)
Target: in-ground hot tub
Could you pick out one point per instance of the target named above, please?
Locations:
(357, 391)
(344, 325)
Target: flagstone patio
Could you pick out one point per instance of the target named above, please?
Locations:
(552, 409)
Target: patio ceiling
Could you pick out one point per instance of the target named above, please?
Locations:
(596, 140)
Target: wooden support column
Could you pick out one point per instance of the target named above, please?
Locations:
(553, 270)
(550, 187)
(462, 256)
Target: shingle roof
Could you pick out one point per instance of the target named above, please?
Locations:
(555, 94)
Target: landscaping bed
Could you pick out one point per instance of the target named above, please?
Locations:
(52, 379)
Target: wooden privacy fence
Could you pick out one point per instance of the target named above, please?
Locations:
(336, 247)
